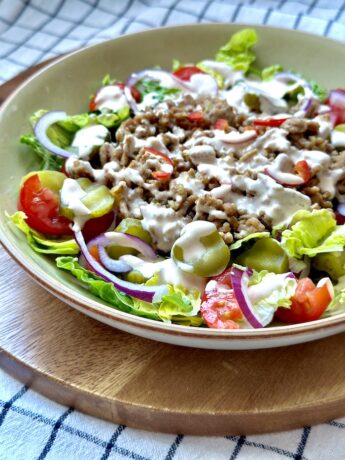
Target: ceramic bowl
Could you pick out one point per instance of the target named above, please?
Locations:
(67, 84)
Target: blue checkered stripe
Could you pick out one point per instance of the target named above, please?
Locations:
(33, 428)
(32, 31)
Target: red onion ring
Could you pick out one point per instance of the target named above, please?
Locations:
(40, 131)
(146, 293)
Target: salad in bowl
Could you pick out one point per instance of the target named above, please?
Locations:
(211, 194)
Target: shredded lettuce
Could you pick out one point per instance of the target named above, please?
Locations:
(48, 160)
(178, 306)
(318, 90)
(312, 233)
(238, 244)
(268, 72)
(38, 242)
(237, 52)
(148, 86)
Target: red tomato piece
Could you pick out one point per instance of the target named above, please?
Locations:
(308, 303)
(303, 169)
(97, 225)
(196, 116)
(221, 124)
(134, 91)
(185, 73)
(161, 175)
(41, 206)
(270, 122)
(219, 307)
(336, 101)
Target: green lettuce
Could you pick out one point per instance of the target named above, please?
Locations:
(48, 160)
(320, 91)
(178, 305)
(41, 244)
(312, 233)
(338, 303)
(148, 86)
(257, 235)
(268, 72)
(237, 52)
(268, 291)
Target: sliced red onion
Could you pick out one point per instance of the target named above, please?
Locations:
(284, 178)
(130, 241)
(340, 213)
(40, 130)
(115, 266)
(336, 98)
(280, 169)
(239, 280)
(130, 99)
(146, 293)
(237, 138)
(290, 76)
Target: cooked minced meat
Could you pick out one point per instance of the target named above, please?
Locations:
(228, 176)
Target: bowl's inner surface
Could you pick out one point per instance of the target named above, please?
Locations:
(68, 84)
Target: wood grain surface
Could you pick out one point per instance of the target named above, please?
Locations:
(101, 371)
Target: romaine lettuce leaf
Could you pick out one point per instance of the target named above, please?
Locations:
(338, 303)
(178, 306)
(237, 52)
(312, 233)
(268, 291)
(268, 72)
(48, 160)
(41, 244)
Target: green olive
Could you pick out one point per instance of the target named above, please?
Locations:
(97, 199)
(135, 277)
(131, 227)
(134, 227)
(331, 262)
(212, 258)
(265, 254)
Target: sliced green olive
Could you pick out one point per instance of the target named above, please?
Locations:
(135, 277)
(265, 254)
(252, 101)
(97, 199)
(131, 227)
(331, 262)
(211, 259)
(134, 227)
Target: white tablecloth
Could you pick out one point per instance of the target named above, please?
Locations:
(32, 427)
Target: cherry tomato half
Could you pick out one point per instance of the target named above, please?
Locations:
(336, 101)
(219, 307)
(308, 303)
(185, 73)
(97, 225)
(41, 206)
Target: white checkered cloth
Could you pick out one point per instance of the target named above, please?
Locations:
(32, 427)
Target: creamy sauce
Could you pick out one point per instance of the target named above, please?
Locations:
(269, 198)
(164, 224)
(110, 98)
(168, 272)
(190, 242)
(86, 139)
(71, 195)
(338, 138)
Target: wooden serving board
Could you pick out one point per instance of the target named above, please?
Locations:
(80, 362)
